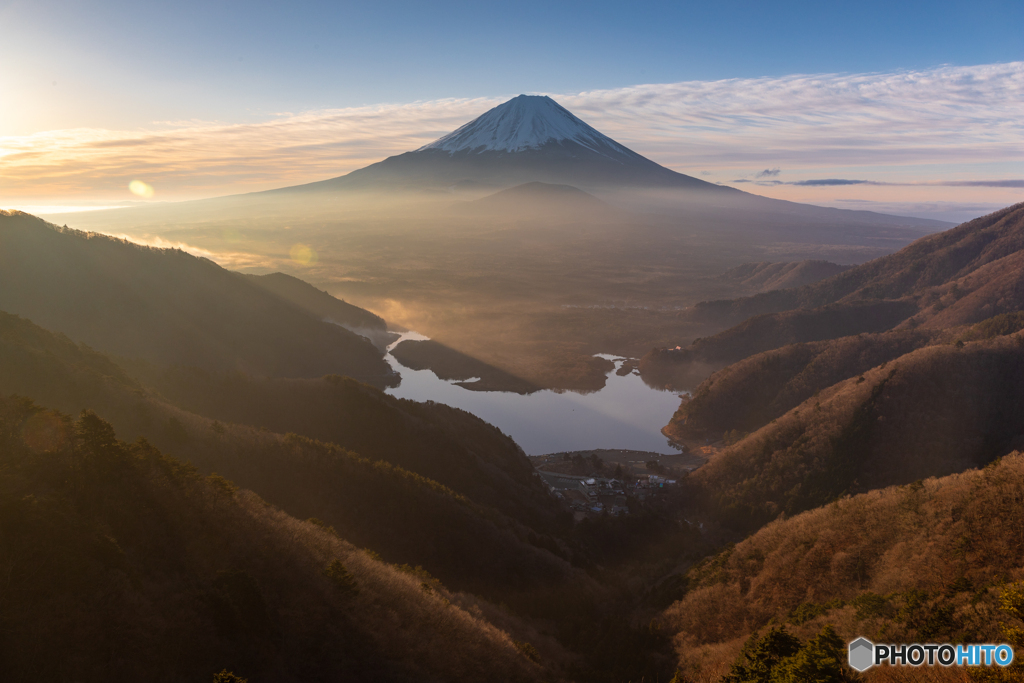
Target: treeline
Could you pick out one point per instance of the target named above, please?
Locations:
(749, 394)
(446, 444)
(958, 277)
(932, 561)
(407, 517)
(167, 306)
(935, 411)
(571, 592)
(123, 564)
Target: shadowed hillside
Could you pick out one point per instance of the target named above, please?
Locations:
(121, 563)
(445, 444)
(373, 499)
(167, 306)
(406, 517)
(326, 307)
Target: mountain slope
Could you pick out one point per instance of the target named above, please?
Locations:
(745, 396)
(167, 306)
(931, 261)
(445, 444)
(375, 504)
(542, 202)
(961, 276)
(528, 122)
(527, 139)
(318, 302)
(932, 412)
(768, 276)
(936, 561)
(123, 564)
(326, 307)
(534, 139)
(371, 497)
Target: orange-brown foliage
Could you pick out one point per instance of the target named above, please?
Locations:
(926, 562)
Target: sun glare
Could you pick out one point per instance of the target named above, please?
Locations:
(303, 253)
(137, 187)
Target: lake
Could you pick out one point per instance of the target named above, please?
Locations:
(626, 413)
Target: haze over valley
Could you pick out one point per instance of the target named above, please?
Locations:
(532, 251)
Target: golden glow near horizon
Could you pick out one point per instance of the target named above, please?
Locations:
(141, 189)
(924, 136)
(303, 254)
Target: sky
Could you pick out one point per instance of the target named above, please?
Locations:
(915, 106)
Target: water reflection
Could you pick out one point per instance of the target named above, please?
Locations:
(625, 414)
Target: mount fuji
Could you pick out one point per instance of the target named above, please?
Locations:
(530, 122)
(530, 142)
(530, 138)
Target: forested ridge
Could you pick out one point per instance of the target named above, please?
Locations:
(864, 479)
(557, 589)
(122, 563)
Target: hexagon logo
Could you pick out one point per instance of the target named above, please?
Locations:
(862, 654)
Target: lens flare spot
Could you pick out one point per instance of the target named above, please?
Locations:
(303, 253)
(141, 189)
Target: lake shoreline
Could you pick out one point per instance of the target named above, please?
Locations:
(626, 414)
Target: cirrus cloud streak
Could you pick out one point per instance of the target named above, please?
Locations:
(940, 119)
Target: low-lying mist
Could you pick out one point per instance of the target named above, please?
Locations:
(532, 279)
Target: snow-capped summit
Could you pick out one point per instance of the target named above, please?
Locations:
(526, 122)
(530, 138)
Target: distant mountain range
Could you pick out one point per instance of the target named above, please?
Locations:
(902, 368)
(532, 139)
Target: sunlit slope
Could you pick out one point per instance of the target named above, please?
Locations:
(957, 277)
(167, 306)
(933, 261)
(934, 411)
(368, 496)
(750, 393)
(685, 367)
(937, 561)
(124, 564)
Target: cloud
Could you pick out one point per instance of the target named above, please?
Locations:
(941, 118)
(979, 183)
(953, 212)
(942, 115)
(834, 182)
